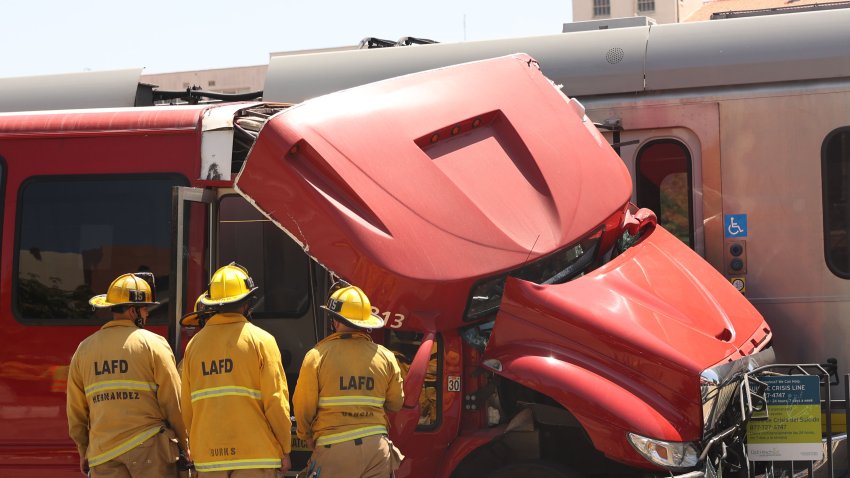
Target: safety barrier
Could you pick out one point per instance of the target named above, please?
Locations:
(834, 413)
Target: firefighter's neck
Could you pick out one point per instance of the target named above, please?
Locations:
(341, 327)
(133, 314)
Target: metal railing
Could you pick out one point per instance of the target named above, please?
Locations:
(836, 457)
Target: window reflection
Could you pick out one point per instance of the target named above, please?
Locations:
(836, 185)
(276, 263)
(664, 186)
(76, 235)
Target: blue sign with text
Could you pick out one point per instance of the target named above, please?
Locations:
(736, 225)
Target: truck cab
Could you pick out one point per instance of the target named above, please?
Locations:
(533, 306)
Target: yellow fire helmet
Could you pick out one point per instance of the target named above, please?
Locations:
(127, 289)
(192, 318)
(229, 284)
(350, 305)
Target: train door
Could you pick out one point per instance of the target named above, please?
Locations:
(292, 286)
(672, 154)
(234, 231)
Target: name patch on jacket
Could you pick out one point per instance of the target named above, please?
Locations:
(110, 366)
(101, 397)
(217, 366)
(356, 383)
(222, 451)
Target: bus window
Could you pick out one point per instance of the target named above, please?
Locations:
(76, 234)
(835, 175)
(276, 263)
(663, 176)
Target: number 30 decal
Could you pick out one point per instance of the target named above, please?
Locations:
(394, 322)
(454, 383)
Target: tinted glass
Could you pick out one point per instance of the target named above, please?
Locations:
(835, 169)
(276, 263)
(76, 235)
(664, 186)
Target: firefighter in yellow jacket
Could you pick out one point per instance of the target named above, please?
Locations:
(197, 318)
(123, 391)
(346, 386)
(235, 399)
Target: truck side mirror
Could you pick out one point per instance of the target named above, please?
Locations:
(641, 222)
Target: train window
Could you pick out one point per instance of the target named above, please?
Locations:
(601, 8)
(835, 174)
(276, 263)
(76, 234)
(663, 175)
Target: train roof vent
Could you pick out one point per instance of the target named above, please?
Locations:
(373, 42)
(406, 41)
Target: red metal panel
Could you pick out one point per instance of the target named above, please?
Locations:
(33, 364)
(425, 450)
(81, 122)
(622, 347)
(416, 187)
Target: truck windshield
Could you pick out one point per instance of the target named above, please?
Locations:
(556, 268)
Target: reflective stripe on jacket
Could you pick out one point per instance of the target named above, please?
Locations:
(346, 385)
(123, 388)
(235, 398)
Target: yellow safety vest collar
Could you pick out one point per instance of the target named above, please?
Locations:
(346, 335)
(119, 323)
(228, 318)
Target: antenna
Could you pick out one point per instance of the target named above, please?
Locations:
(532, 248)
(464, 27)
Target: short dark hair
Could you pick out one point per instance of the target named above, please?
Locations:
(118, 309)
(232, 307)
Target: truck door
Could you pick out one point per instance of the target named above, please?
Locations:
(672, 153)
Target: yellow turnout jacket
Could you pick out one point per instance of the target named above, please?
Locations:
(123, 388)
(235, 399)
(346, 385)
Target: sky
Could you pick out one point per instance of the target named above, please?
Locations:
(39, 37)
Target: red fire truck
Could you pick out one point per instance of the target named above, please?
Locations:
(551, 328)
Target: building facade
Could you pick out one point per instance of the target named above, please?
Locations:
(240, 79)
(220, 80)
(674, 11)
(662, 11)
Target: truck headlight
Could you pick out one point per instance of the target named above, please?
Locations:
(669, 454)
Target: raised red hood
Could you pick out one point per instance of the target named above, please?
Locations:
(417, 186)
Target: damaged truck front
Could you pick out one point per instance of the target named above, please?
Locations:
(566, 333)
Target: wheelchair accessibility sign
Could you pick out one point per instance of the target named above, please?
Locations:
(736, 225)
